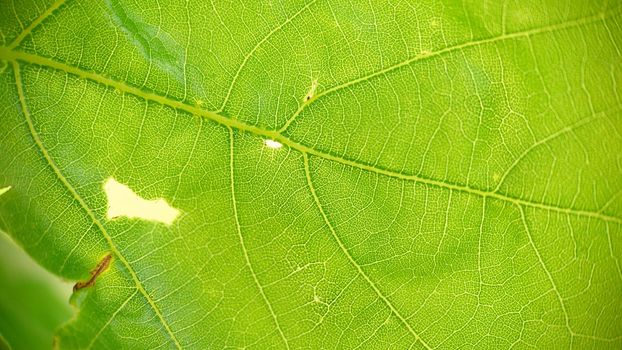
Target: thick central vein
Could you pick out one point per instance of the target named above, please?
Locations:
(13, 55)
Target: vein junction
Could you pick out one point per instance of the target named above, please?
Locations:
(276, 136)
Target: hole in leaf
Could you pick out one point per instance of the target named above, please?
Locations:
(4, 190)
(122, 201)
(272, 144)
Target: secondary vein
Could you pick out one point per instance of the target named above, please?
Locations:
(84, 206)
(36, 23)
(243, 245)
(428, 55)
(356, 265)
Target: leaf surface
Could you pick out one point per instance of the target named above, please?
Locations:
(423, 174)
(33, 303)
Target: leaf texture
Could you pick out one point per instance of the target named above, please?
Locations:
(383, 174)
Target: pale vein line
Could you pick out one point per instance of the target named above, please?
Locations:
(611, 254)
(543, 141)
(427, 55)
(243, 245)
(346, 252)
(101, 330)
(85, 207)
(35, 23)
(546, 270)
(252, 52)
(276, 136)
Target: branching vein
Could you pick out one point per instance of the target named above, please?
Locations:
(276, 136)
(356, 265)
(243, 245)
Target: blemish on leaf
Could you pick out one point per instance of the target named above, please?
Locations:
(272, 144)
(425, 53)
(101, 267)
(122, 201)
(311, 92)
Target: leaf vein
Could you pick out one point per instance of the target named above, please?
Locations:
(36, 23)
(546, 270)
(84, 206)
(356, 265)
(243, 245)
(114, 314)
(427, 55)
(252, 52)
(277, 136)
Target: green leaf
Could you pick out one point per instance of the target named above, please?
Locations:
(319, 174)
(33, 303)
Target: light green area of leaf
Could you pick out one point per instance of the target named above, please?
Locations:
(449, 172)
(33, 302)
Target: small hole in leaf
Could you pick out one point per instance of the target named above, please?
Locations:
(272, 144)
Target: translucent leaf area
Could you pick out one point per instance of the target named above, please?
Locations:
(430, 174)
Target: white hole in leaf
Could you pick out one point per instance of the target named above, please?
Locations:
(272, 144)
(122, 201)
(4, 190)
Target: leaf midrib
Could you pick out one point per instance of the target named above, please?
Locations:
(14, 55)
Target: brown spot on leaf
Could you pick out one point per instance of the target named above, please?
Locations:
(101, 267)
